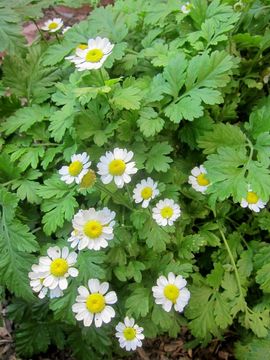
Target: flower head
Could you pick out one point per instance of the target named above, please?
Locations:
(166, 212)
(198, 179)
(88, 179)
(52, 25)
(186, 8)
(55, 268)
(170, 292)
(129, 334)
(145, 191)
(76, 170)
(252, 201)
(93, 55)
(92, 229)
(93, 302)
(116, 166)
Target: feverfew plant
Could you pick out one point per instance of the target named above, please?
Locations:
(135, 183)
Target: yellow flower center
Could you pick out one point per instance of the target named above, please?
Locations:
(93, 229)
(59, 267)
(171, 292)
(53, 25)
(167, 212)
(147, 192)
(82, 46)
(201, 180)
(94, 55)
(88, 180)
(117, 167)
(129, 333)
(75, 168)
(95, 303)
(252, 197)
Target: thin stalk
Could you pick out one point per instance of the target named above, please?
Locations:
(38, 29)
(232, 261)
(112, 195)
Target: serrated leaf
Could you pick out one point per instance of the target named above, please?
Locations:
(158, 159)
(57, 211)
(222, 135)
(137, 303)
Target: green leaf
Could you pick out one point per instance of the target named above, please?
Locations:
(26, 117)
(16, 242)
(226, 173)
(261, 263)
(158, 159)
(35, 82)
(90, 265)
(222, 135)
(175, 75)
(127, 98)
(149, 122)
(137, 303)
(252, 348)
(187, 108)
(61, 121)
(10, 30)
(57, 211)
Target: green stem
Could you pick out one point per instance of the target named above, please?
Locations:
(232, 261)
(8, 182)
(40, 32)
(57, 37)
(101, 187)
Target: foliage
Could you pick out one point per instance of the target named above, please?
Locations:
(179, 91)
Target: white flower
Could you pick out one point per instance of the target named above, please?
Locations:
(129, 334)
(252, 201)
(186, 8)
(166, 212)
(52, 25)
(92, 229)
(171, 292)
(145, 191)
(116, 166)
(198, 180)
(93, 305)
(76, 170)
(66, 29)
(36, 283)
(93, 56)
(55, 268)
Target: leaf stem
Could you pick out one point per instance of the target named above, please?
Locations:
(101, 187)
(232, 260)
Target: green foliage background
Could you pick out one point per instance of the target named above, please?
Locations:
(179, 91)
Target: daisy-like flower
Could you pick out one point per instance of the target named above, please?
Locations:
(198, 179)
(116, 166)
(129, 334)
(36, 283)
(170, 292)
(252, 201)
(52, 25)
(186, 8)
(145, 191)
(93, 56)
(88, 180)
(55, 268)
(166, 212)
(92, 229)
(93, 303)
(76, 170)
